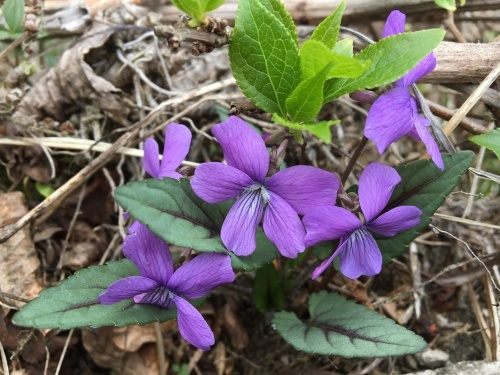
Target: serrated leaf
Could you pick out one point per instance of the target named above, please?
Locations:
(13, 13)
(307, 98)
(171, 210)
(267, 291)
(338, 326)
(264, 57)
(344, 47)
(277, 8)
(425, 186)
(74, 303)
(391, 58)
(446, 4)
(490, 140)
(314, 56)
(327, 31)
(197, 8)
(320, 129)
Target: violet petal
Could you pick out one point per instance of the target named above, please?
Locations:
(424, 67)
(201, 275)
(177, 142)
(283, 227)
(360, 256)
(304, 187)
(243, 148)
(160, 296)
(150, 254)
(396, 220)
(395, 24)
(238, 230)
(390, 117)
(324, 265)
(217, 182)
(429, 142)
(192, 326)
(151, 160)
(376, 184)
(329, 223)
(127, 288)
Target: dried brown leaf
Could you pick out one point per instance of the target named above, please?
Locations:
(17, 277)
(73, 82)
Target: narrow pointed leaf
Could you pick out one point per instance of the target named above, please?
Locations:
(320, 129)
(264, 57)
(425, 186)
(490, 140)
(327, 31)
(338, 326)
(315, 56)
(391, 58)
(74, 302)
(307, 98)
(277, 8)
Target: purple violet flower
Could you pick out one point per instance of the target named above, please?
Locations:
(279, 198)
(358, 251)
(177, 140)
(160, 285)
(395, 113)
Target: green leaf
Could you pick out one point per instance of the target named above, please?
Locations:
(327, 31)
(490, 140)
(171, 210)
(314, 56)
(195, 8)
(44, 189)
(320, 129)
(446, 4)
(307, 98)
(277, 8)
(264, 57)
(391, 58)
(211, 5)
(425, 186)
(344, 47)
(338, 326)
(13, 13)
(264, 253)
(267, 292)
(74, 303)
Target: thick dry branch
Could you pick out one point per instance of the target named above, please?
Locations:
(312, 11)
(463, 62)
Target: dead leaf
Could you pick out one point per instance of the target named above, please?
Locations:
(73, 82)
(237, 332)
(81, 255)
(17, 277)
(128, 350)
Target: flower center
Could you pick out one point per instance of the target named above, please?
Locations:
(258, 187)
(160, 296)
